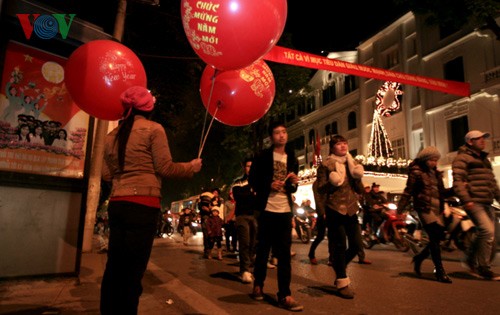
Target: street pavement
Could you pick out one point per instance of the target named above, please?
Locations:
(179, 281)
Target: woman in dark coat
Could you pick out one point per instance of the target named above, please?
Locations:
(425, 185)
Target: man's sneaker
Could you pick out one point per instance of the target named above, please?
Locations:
(487, 274)
(246, 277)
(290, 304)
(313, 261)
(257, 293)
(270, 266)
(364, 262)
(346, 292)
(470, 266)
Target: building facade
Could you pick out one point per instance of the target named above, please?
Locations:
(343, 104)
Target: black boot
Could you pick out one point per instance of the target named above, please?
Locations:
(417, 263)
(419, 259)
(441, 275)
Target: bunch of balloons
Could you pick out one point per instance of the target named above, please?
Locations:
(232, 36)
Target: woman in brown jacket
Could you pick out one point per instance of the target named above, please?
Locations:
(136, 156)
(425, 185)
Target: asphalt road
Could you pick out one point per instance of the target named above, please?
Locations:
(188, 284)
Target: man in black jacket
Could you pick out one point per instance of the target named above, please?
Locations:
(273, 176)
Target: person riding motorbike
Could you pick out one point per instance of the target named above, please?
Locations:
(375, 200)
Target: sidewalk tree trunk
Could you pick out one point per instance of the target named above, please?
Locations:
(94, 186)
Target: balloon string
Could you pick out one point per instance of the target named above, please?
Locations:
(206, 134)
(203, 134)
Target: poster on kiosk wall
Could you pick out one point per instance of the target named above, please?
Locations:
(42, 131)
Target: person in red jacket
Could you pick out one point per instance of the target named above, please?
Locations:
(214, 231)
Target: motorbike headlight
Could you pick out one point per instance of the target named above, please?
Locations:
(315, 215)
(195, 224)
(300, 211)
(169, 219)
(392, 206)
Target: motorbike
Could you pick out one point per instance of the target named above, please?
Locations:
(392, 230)
(460, 230)
(165, 227)
(303, 225)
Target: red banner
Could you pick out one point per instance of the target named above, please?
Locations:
(298, 58)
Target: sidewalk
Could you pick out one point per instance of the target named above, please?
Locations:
(63, 295)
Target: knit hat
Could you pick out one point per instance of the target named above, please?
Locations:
(137, 97)
(428, 153)
(205, 200)
(475, 134)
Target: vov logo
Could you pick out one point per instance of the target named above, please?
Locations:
(45, 26)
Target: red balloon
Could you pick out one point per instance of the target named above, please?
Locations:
(238, 97)
(232, 34)
(98, 72)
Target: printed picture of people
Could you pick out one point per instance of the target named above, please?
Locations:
(42, 130)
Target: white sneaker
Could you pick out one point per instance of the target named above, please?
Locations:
(270, 266)
(246, 277)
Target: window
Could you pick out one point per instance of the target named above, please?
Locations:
(329, 94)
(454, 70)
(331, 129)
(351, 121)
(457, 128)
(335, 128)
(398, 148)
(392, 58)
(349, 84)
(310, 105)
(312, 136)
(411, 47)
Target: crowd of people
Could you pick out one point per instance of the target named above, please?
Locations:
(257, 220)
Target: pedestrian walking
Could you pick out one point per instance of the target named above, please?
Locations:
(186, 220)
(214, 231)
(246, 222)
(273, 176)
(205, 207)
(339, 178)
(425, 187)
(136, 156)
(475, 184)
(230, 233)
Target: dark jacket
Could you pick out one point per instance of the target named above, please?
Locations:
(261, 176)
(473, 178)
(426, 187)
(214, 226)
(244, 196)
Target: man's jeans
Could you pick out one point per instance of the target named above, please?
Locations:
(246, 227)
(482, 250)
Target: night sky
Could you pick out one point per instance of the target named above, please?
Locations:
(316, 25)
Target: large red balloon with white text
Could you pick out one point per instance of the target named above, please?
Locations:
(232, 34)
(98, 72)
(238, 97)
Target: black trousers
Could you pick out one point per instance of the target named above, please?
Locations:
(343, 230)
(132, 232)
(436, 233)
(274, 231)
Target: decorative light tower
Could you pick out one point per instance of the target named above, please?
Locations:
(380, 147)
